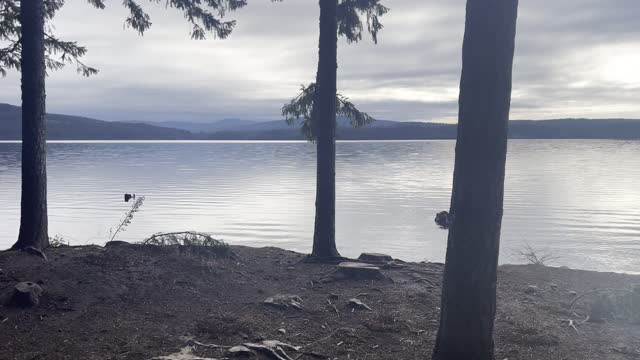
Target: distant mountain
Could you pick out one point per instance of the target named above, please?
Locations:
(248, 126)
(623, 129)
(66, 127)
(204, 127)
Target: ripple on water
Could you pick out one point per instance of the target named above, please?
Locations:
(579, 199)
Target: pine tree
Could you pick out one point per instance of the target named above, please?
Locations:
(298, 112)
(469, 287)
(26, 27)
(319, 103)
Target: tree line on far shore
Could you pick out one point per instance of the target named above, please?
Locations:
(469, 287)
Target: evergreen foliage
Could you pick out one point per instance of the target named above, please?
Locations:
(352, 15)
(205, 16)
(299, 110)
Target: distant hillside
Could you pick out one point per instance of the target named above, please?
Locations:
(66, 127)
(622, 129)
(204, 127)
(247, 126)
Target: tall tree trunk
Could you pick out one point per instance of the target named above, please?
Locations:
(324, 120)
(33, 220)
(469, 288)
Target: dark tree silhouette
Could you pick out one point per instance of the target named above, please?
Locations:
(33, 219)
(324, 114)
(469, 287)
(345, 18)
(32, 49)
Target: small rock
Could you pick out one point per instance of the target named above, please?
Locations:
(282, 331)
(26, 294)
(573, 293)
(240, 351)
(531, 289)
(553, 286)
(284, 301)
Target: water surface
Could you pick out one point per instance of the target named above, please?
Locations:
(578, 199)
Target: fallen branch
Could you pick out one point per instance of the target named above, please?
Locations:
(595, 291)
(570, 323)
(573, 326)
(326, 337)
(273, 349)
(213, 346)
(334, 307)
(245, 275)
(356, 303)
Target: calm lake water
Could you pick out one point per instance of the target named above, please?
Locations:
(579, 200)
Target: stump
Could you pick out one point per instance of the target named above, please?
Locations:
(26, 294)
(114, 243)
(443, 219)
(357, 270)
(375, 258)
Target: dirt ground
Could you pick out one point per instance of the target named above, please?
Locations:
(145, 302)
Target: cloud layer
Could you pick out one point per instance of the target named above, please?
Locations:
(574, 58)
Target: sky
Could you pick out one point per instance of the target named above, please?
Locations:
(574, 58)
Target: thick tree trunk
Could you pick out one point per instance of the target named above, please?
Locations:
(469, 288)
(324, 117)
(33, 221)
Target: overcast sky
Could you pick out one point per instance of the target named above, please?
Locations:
(574, 58)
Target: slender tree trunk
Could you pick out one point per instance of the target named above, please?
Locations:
(33, 220)
(469, 288)
(324, 117)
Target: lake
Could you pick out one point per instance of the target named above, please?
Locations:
(576, 199)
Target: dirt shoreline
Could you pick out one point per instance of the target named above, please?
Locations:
(141, 302)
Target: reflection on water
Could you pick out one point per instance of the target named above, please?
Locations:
(578, 199)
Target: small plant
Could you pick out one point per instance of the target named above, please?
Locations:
(128, 217)
(535, 256)
(190, 239)
(58, 241)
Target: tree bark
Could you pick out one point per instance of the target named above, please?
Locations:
(33, 220)
(469, 287)
(324, 120)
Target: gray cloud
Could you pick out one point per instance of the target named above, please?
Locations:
(574, 58)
